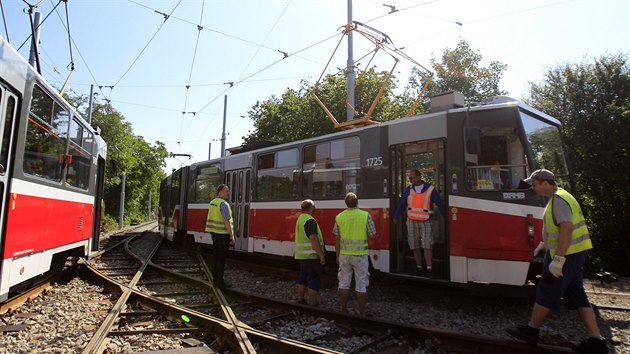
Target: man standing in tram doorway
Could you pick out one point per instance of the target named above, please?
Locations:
(352, 228)
(566, 242)
(419, 199)
(220, 224)
(309, 250)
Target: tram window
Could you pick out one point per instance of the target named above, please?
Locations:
(6, 133)
(206, 181)
(78, 160)
(277, 175)
(331, 169)
(499, 163)
(41, 105)
(45, 147)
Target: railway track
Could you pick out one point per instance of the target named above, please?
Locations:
(161, 297)
(169, 292)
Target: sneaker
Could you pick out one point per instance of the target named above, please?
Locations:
(592, 346)
(430, 273)
(525, 333)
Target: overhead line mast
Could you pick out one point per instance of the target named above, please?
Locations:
(350, 74)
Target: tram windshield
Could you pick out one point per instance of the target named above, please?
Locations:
(547, 148)
(498, 151)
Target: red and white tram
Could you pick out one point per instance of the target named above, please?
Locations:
(475, 156)
(52, 165)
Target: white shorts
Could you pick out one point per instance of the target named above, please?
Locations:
(357, 265)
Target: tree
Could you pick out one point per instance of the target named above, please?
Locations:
(460, 70)
(297, 115)
(142, 162)
(592, 100)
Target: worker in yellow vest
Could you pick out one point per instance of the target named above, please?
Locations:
(220, 224)
(352, 228)
(418, 201)
(310, 252)
(566, 241)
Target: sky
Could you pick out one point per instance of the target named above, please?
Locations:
(167, 65)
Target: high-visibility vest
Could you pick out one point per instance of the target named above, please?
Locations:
(214, 222)
(419, 204)
(580, 238)
(303, 246)
(352, 228)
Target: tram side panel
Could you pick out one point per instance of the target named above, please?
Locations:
(49, 196)
(328, 168)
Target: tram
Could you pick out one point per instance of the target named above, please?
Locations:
(52, 165)
(475, 156)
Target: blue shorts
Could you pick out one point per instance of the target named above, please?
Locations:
(569, 287)
(310, 273)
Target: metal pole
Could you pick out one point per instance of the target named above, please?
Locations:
(32, 58)
(149, 214)
(209, 150)
(350, 74)
(223, 134)
(90, 104)
(122, 201)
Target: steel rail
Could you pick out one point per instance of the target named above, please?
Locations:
(93, 347)
(449, 340)
(243, 340)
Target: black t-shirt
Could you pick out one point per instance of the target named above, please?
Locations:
(310, 227)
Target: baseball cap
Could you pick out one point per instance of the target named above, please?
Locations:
(540, 175)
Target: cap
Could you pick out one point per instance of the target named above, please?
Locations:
(540, 175)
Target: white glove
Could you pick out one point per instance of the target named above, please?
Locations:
(539, 248)
(555, 267)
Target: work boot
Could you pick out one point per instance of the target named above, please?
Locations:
(592, 346)
(525, 333)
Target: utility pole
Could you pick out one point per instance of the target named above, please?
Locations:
(91, 103)
(350, 74)
(33, 57)
(149, 214)
(122, 201)
(223, 134)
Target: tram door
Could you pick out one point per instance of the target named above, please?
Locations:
(8, 115)
(428, 158)
(239, 182)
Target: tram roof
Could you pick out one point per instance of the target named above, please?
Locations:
(500, 103)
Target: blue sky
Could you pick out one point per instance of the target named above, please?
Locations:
(149, 61)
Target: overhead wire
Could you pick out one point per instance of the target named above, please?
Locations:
(256, 52)
(4, 20)
(28, 38)
(166, 17)
(192, 66)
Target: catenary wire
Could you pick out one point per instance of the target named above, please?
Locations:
(166, 17)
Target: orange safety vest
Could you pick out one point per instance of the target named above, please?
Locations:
(418, 204)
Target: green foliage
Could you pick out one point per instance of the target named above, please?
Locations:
(460, 70)
(142, 162)
(592, 99)
(297, 115)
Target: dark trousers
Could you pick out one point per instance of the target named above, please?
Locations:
(220, 247)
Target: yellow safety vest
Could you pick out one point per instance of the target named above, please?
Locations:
(418, 204)
(214, 222)
(580, 239)
(352, 224)
(303, 247)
